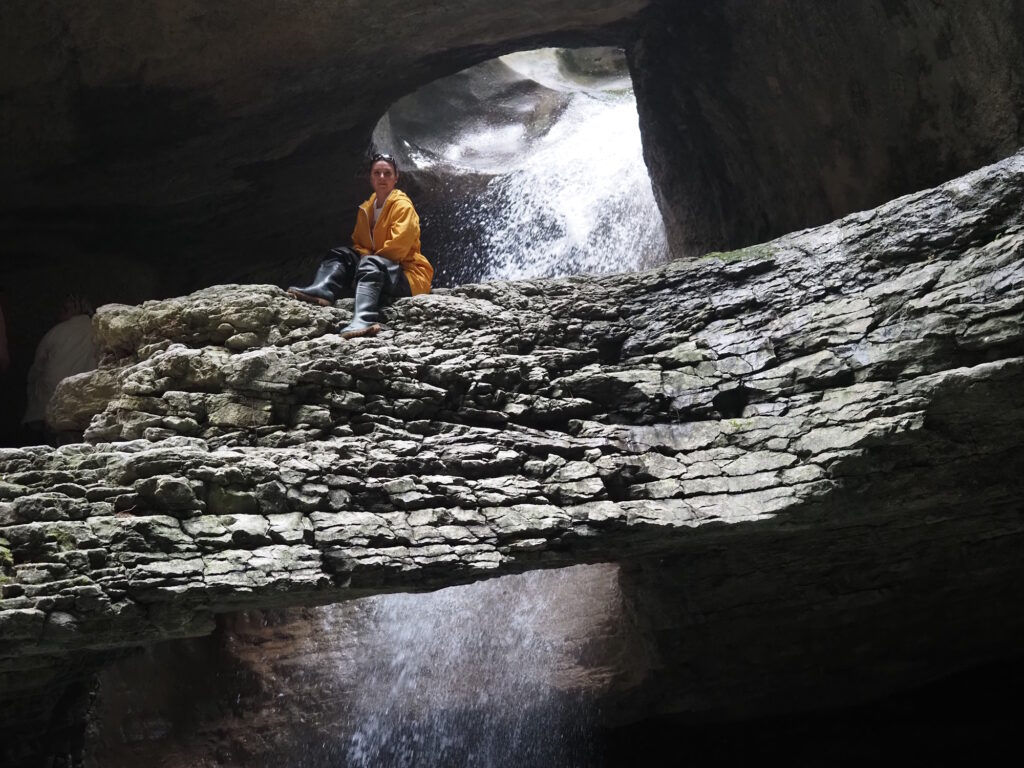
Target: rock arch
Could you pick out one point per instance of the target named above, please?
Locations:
(860, 505)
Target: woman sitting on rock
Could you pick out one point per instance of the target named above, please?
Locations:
(384, 260)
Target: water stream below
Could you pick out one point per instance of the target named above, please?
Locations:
(511, 672)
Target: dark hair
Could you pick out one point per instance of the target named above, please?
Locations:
(389, 159)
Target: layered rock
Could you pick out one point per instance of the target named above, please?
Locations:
(822, 391)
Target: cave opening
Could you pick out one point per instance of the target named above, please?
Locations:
(529, 165)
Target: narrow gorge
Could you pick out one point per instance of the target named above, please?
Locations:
(781, 472)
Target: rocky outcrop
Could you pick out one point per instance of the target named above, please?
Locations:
(839, 387)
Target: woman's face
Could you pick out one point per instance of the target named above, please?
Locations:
(383, 178)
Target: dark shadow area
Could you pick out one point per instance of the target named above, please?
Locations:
(32, 290)
(971, 718)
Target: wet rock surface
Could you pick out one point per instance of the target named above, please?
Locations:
(863, 378)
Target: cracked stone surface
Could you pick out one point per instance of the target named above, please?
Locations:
(865, 375)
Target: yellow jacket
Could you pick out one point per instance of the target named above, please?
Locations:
(397, 237)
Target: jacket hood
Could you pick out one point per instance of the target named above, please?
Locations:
(395, 195)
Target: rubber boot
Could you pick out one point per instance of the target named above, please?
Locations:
(364, 316)
(328, 285)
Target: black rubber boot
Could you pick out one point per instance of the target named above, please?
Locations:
(328, 286)
(364, 317)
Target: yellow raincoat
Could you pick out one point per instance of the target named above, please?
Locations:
(396, 237)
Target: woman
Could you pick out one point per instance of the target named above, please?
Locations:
(384, 260)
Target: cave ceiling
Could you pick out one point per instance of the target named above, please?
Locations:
(153, 147)
(221, 142)
(187, 129)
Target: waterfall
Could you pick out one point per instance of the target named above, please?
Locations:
(484, 676)
(567, 189)
(578, 202)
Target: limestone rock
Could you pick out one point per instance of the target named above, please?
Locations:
(778, 415)
(76, 399)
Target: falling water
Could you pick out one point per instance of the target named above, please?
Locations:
(579, 202)
(511, 672)
(572, 198)
(488, 675)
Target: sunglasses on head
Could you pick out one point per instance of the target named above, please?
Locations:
(386, 158)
